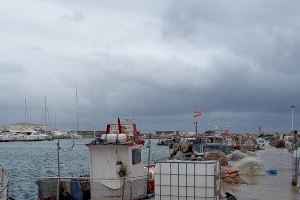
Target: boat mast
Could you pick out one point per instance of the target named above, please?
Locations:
(93, 110)
(45, 112)
(77, 108)
(26, 122)
(49, 118)
(55, 119)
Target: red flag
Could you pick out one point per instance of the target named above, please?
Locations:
(119, 125)
(197, 113)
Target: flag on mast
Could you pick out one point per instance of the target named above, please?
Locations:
(197, 113)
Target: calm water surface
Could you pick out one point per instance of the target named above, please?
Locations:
(28, 160)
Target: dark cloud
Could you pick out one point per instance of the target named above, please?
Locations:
(236, 59)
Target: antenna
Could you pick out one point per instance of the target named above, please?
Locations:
(93, 110)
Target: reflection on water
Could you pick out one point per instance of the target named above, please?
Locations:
(269, 187)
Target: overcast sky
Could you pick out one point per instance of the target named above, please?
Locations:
(236, 61)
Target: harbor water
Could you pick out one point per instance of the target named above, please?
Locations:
(26, 161)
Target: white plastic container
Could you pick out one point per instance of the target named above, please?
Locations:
(112, 138)
(177, 179)
(295, 166)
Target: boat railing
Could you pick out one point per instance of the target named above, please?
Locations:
(4, 183)
(98, 188)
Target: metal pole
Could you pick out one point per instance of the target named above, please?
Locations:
(45, 112)
(25, 113)
(292, 119)
(123, 189)
(58, 171)
(148, 172)
(93, 110)
(293, 108)
(77, 108)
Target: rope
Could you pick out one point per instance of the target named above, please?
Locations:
(70, 148)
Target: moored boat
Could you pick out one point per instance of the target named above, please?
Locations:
(116, 168)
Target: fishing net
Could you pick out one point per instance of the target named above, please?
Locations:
(234, 179)
(217, 155)
(249, 145)
(280, 143)
(249, 166)
(237, 155)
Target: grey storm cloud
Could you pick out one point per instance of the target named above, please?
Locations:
(237, 60)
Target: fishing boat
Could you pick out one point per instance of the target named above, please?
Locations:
(76, 136)
(116, 169)
(166, 142)
(58, 134)
(200, 145)
(261, 141)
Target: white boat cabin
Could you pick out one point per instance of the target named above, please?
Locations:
(116, 165)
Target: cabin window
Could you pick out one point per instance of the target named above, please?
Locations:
(218, 140)
(136, 156)
(210, 140)
(198, 148)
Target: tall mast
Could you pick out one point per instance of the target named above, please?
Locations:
(55, 119)
(92, 98)
(45, 112)
(25, 113)
(49, 118)
(77, 108)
